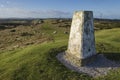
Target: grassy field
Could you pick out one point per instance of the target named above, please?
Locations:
(38, 61)
(110, 37)
(107, 42)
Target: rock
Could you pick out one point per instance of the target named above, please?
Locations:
(17, 39)
(16, 46)
(54, 32)
(60, 21)
(109, 68)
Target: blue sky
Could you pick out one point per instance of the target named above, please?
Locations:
(58, 8)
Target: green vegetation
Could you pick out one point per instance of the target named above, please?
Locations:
(37, 61)
(109, 38)
(22, 36)
(106, 24)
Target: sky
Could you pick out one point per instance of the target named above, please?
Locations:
(58, 8)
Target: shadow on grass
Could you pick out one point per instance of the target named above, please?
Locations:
(105, 60)
(112, 56)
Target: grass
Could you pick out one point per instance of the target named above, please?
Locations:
(108, 40)
(38, 61)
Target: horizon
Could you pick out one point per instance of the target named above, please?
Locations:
(54, 18)
(58, 9)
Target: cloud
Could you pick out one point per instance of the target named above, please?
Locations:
(107, 14)
(7, 2)
(2, 5)
(23, 13)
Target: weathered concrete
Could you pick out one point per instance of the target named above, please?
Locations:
(81, 44)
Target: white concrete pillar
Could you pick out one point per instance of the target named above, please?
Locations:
(81, 44)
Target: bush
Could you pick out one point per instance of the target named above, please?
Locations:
(2, 27)
(26, 34)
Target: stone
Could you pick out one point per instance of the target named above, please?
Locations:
(54, 32)
(81, 45)
(16, 46)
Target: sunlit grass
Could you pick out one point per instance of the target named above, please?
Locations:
(38, 62)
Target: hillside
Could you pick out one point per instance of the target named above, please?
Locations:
(38, 61)
(19, 33)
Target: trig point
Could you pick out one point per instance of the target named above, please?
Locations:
(81, 54)
(81, 46)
